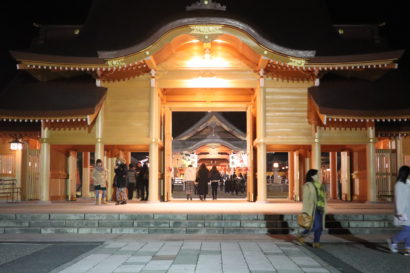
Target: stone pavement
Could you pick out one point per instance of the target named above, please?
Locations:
(206, 254)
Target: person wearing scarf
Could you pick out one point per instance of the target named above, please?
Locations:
(314, 204)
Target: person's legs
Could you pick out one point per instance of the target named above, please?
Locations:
(103, 195)
(317, 228)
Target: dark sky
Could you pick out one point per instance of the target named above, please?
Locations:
(17, 18)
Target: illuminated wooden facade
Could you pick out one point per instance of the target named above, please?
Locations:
(198, 63)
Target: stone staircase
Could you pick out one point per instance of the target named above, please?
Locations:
(104, 223)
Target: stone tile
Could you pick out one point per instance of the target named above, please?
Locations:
(85, 264)
(209, 264)
(186, 259)
(102, 216)
(58, 230)
(34, 216)
(114, 244)
(268, 247)
(22, 230)
(139, 259)
(158, 265)
(151, 247)
(94, 230)
(68, 216)
(356, 224)
(254, 256)
(14, 223)
(282, 262)
(81, 223)
(134, 246)
(136, 216)
(305, 261)
(166, 230)
(191, 245)
(152, 223)
(204, 231)
(315, 270)
(170, 216)
(129, 230)
(47, 223)
(7, 217)
(170, 248)
(182, 268)
(109, 264)
(214, 246)
(128, 268)
(116, 223)
(205, 217)
(232, 258)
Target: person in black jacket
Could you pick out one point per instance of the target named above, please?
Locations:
(143, 178)
(203, 179)
(120, 182)
(215, 178)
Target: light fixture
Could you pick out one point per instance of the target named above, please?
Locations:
(16, 145)
(276, 165)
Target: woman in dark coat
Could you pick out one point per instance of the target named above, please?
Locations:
(215, 178)
(203, 179)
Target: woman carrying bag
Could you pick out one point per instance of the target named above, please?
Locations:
(314, 205)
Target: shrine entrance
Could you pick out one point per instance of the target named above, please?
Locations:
(215, 139)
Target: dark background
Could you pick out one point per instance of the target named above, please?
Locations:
(18, 19)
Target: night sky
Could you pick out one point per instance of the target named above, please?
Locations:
(17, 20)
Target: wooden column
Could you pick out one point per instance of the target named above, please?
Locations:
(399, 152)
(333, 175)
(249, 148)
(99, 146)
(371, 165)
(345, 176)
(168, 154)
(291, 176)
(260, 141)
(316, 151)
(154, 134)
(296, 175)
(72, 175)
(110, 168)
(44, 164)
(85, 188)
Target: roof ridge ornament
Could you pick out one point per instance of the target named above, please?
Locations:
(205, 5)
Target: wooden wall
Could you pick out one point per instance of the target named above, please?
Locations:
(126, 116)
(58, 175)
(286, 113)
(343, 136)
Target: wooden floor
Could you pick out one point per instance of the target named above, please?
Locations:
(191, 207)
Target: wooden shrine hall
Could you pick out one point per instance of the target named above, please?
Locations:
(108, 88)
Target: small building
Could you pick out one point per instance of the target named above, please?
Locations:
(108, 88)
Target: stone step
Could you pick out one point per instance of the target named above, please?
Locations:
(88, 223)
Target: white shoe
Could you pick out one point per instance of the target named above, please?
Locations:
(392, 246)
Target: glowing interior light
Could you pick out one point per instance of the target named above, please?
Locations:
(207, 62)
(207, 82)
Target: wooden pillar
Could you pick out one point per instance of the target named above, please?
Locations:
(111, 161)
(72, 175)
(371, 165)
(127, 157)
(333, 175)
(154, 134)
(168, 154)
(345, 175)
(316, 151)
(291, 176)
(44, 164)
(296, 175)
(99, 146)
(399, 152)
(85, 189)
(260, 141)
(249, 148)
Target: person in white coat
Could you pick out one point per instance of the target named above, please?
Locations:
(189, 177)
(402, 213)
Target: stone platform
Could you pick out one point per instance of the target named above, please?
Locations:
(178, 217)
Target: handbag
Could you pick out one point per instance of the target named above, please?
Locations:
(304, 220)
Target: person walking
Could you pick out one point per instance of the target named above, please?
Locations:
(215, 177)
(99, 177)
(189, 177)
(203, 179)
(314, 205)
(144, 177)
(131, 180)
(138, 185)
(402, 211)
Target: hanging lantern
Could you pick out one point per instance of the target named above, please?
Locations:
(16, 145)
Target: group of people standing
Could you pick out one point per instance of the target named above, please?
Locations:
(200, 180)
(133, 178)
